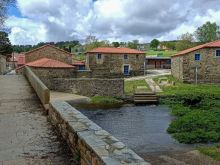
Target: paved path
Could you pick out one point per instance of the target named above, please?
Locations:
(151, 74)
(153, 86)
(26, 137)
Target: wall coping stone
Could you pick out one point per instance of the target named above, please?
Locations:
(105, 146)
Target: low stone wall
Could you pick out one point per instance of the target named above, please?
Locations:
(83, 74)
(87, 86)
(42, 91)
(94, 145)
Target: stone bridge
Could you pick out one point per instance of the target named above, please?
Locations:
(26, 137)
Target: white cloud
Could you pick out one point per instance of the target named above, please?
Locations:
(49, 20)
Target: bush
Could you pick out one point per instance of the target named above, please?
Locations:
(213, 152)
(196, 126)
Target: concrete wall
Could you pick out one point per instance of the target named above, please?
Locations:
(87, 86)
(94, 145)
(112, 65)
(49, 52)
(2, 64)
(208, 66)
(41, 90)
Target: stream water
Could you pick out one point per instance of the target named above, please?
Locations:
(141, 128)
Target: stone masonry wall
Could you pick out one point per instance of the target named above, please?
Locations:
(177, 67)
(87, 86)
(2, 64)
(208, 67)
(48, 73)
(94, 145)
(112, 65)
(49, 52)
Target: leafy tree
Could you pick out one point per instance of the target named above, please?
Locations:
(133, 44)
(92, 42)
(5, 45)
(116, 44)
(207, 32)
(185, 42)
(154, 43)
(3, 9)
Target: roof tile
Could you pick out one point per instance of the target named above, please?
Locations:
(111, 50)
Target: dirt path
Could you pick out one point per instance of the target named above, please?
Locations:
(26, 137)
(179, 158)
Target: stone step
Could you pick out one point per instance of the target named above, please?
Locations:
(146, 101)
(145, 97)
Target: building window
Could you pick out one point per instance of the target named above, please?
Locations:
(168, 62)
(217, 53)
(125, 56)
(99, 56)
(137, 56)
(197, 57)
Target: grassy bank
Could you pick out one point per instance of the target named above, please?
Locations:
(197, 111)
(213, 152)
(130, 86)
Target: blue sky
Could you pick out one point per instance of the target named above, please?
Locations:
(36, 21)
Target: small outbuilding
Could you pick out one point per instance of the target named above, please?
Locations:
(198, 64)
(157, 62)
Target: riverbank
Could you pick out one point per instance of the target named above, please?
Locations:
(196, 109)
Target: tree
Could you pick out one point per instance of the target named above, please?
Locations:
(185, 42)
(5, 45)
(133, 44)
(207, 32)
(92, 42)
(116, 44)
(154, 43)
(3, 9)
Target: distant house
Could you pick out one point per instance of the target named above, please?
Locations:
(198, 64)
(2, 64)
(49, 51)
(157, 62)
(115, 62)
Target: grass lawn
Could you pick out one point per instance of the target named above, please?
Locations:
(213, 152)
(130, 86)
(197, 111)
(105, 100)
(162, 53)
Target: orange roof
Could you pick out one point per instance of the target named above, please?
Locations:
(78, 62)
(213, 44)
(21, 59)
(48, 63)
(48, 45)
(111, 50)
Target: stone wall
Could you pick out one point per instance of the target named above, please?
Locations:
(177, 67)
(112, 65)
(48, 51)
(208, 67)
(49, 73)
(42, 91)
(94, 145)
(87, 86)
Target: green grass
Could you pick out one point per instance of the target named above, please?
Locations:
(213, 152)
(197, 111)
(130, 86)
(162, 53)
(105, 100)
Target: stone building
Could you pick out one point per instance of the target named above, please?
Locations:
(2, 64)
(156, 62)
(115, 62)
(198, 64)
(49, 51)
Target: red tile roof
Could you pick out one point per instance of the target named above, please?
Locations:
(21, 59)
(78, 62)
(48, 63)
(213, 44)
(110, 50)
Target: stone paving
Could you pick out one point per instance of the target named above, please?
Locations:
(26, 137)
